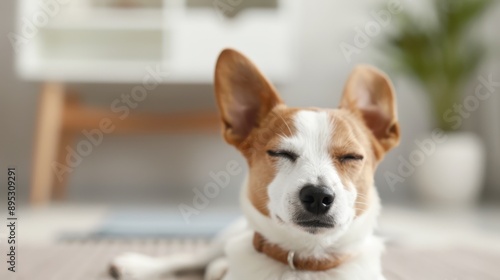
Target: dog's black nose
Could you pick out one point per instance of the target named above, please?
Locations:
(316, 199)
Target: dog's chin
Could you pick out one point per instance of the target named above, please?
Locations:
(315, 227)
(312, 224)
(315, 224)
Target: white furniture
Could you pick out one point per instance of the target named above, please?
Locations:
(115, 40)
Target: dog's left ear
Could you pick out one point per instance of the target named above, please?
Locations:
(370, 94)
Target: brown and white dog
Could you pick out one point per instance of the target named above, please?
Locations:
(309, 200)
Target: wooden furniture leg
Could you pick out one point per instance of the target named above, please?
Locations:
(68, 138)
(49, 126)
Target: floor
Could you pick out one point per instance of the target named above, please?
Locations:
(422, 243)
(89, 261)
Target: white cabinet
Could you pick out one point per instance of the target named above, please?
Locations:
(116, 40)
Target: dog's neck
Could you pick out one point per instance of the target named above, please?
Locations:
(289, 258)
(316, 246)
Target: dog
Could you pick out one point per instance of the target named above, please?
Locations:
(309, 200)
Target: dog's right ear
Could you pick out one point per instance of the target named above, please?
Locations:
(244, 95)
(370, 93)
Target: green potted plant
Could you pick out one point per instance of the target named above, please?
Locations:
(441, 55)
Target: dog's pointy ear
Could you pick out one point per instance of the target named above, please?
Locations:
(370, 94)
(244, 95)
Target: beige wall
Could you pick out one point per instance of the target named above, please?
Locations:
(17, 106)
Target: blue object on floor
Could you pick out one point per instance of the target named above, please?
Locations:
(160, 223)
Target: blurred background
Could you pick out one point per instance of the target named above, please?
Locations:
(107, 111)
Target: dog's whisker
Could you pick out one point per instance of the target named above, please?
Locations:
(289, 129)
(281, 134)
(361, 203)
(362, 195)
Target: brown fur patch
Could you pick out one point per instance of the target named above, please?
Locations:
(262, 168)
(351, 136)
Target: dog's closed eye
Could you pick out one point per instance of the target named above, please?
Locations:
(283, 154)
(350, 158)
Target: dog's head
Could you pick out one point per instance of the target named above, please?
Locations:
(309, 168)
